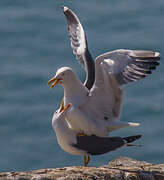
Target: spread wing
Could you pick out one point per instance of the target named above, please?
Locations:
(79, 45)
(127, 65)
(114, 69)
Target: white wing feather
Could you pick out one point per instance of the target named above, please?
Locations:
(114, 69)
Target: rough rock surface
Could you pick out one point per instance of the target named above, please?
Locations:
(120, 169)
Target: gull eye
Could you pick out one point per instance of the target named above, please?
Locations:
(62, 74)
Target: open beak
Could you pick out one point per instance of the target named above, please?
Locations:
(67, 106)
(54, 80)
(61, 106)
(64, 108)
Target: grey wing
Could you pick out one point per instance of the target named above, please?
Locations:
(79, 45)
(129, 65)
(114, 69)
(95, 145)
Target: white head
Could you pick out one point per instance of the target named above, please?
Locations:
(61, 112)
(63, 76)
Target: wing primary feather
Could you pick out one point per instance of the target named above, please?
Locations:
(147, 62)
(128, 65)
(142, 54)
(79, 45)
(129, 76)
(137, 68)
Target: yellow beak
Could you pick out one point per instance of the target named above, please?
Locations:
(61, 106)
(64, 108)
(67, 106)
(54, 80)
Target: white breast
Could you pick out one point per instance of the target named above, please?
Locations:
(66, 137)
(81, 122)
(66, 146)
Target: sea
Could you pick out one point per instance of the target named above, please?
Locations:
(34, 43)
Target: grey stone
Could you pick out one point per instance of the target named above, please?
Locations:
(122, 168)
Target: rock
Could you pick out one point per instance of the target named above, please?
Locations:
(122, 168)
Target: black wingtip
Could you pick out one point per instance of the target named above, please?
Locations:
(130, 139)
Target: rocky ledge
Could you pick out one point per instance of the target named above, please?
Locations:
(120, 169)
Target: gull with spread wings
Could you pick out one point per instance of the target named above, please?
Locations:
(96, 104)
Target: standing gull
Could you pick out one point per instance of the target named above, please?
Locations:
(96, 104)
(71, 142)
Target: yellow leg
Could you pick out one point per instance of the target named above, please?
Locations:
(80, 134)
(86, 160)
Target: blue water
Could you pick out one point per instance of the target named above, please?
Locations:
(34, 43)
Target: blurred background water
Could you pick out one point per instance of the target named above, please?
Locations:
(34, 43)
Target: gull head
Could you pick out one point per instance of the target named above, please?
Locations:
(61, 112)
(63, 75)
